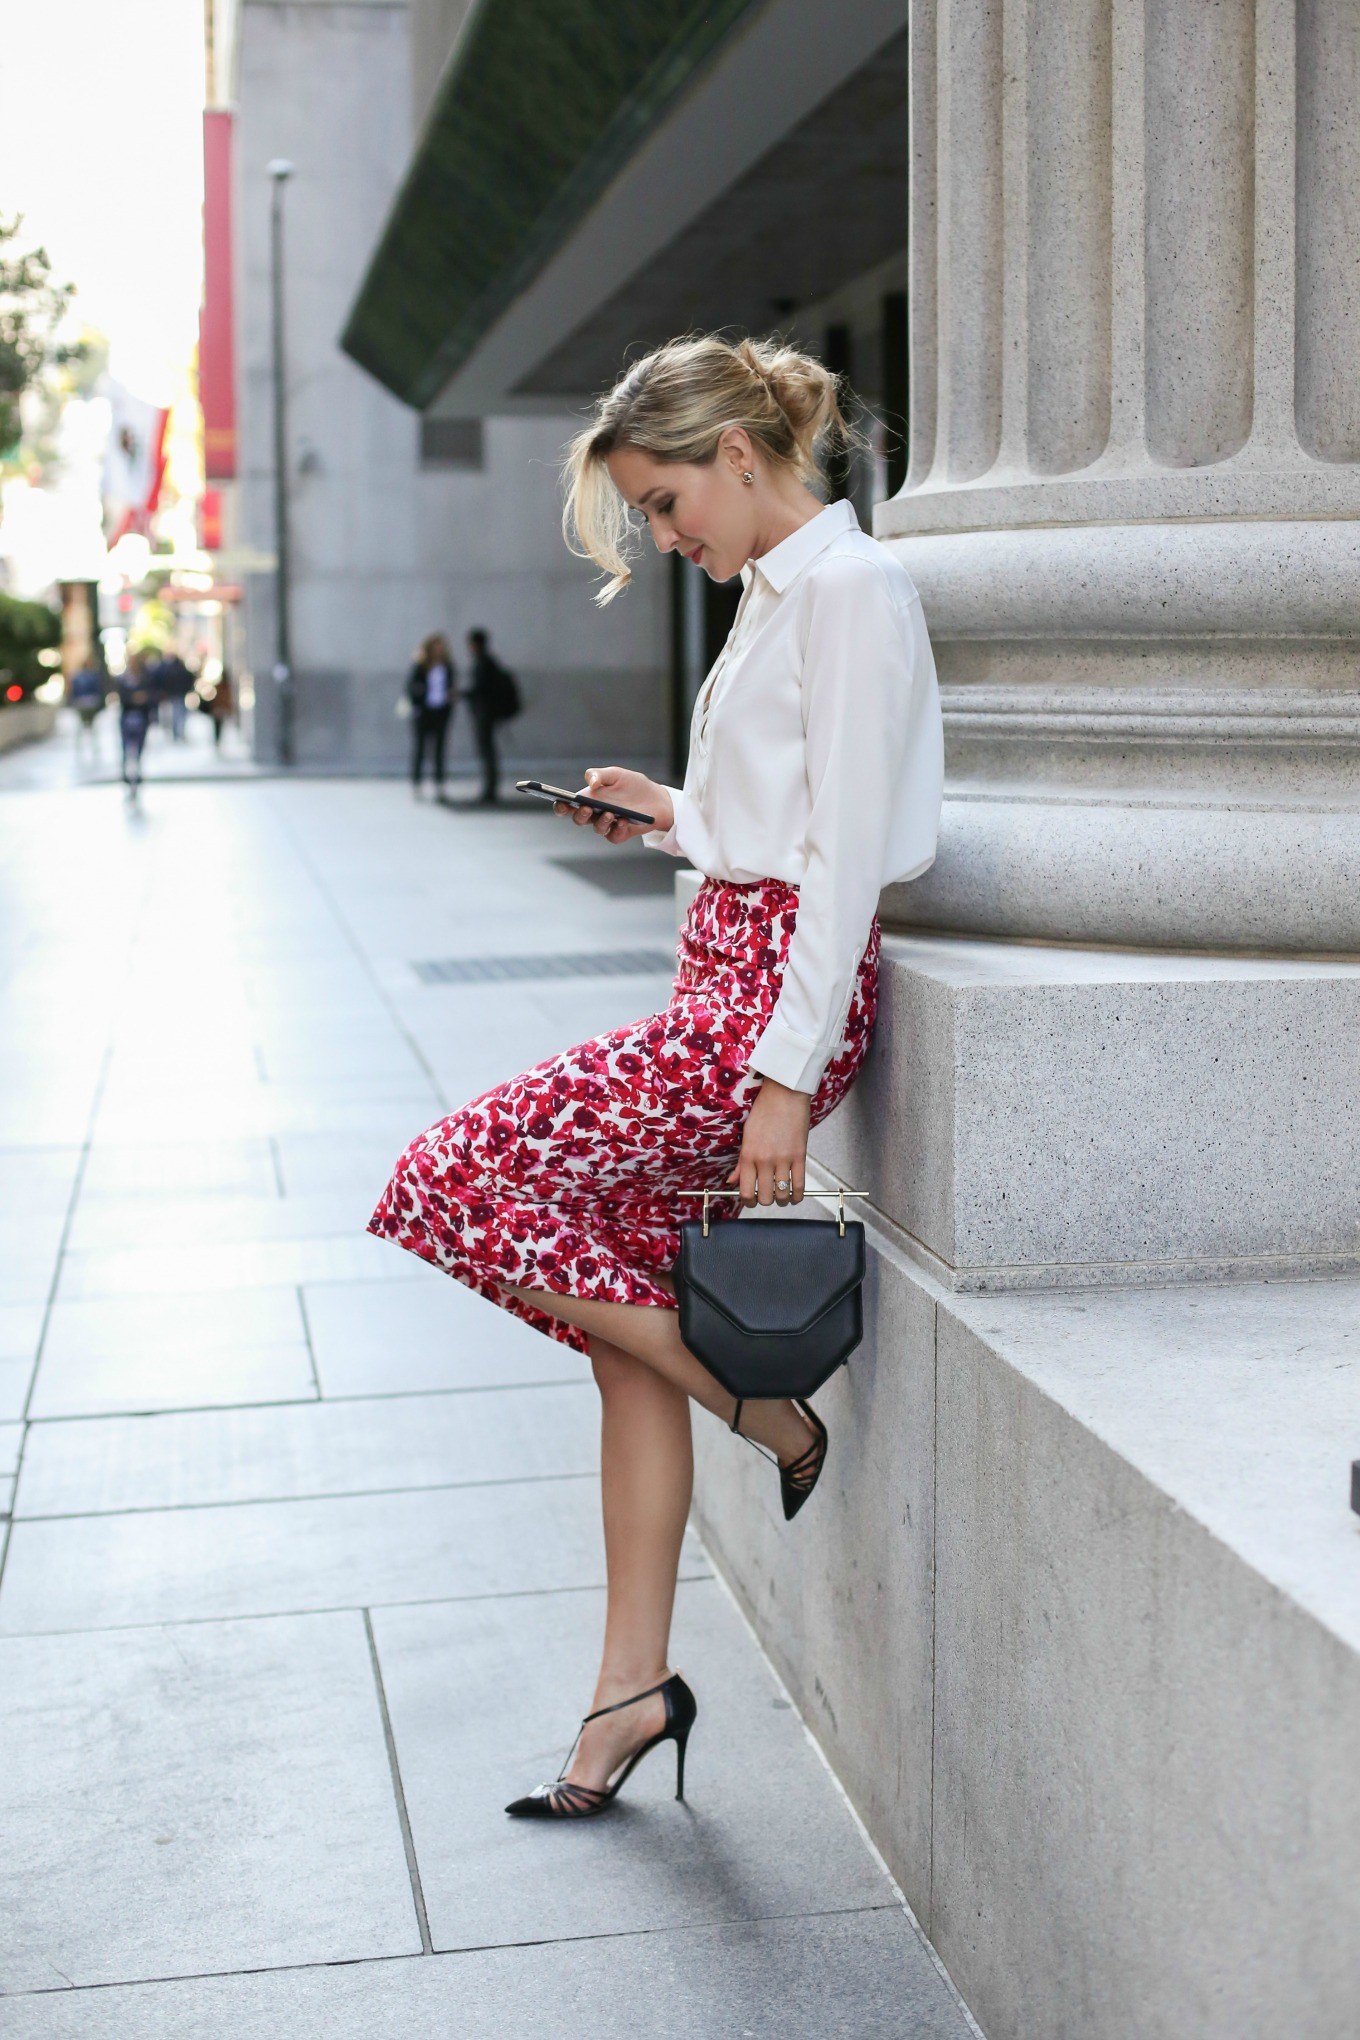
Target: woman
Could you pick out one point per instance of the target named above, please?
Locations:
(814, 777)
(137, 703)
(429, 689)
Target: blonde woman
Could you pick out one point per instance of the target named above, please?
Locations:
(814, 778)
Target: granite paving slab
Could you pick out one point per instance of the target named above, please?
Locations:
(175, 1801)
(233, 1265)
(37, 1180)
(28, 1257)
(270, 1112)
(20, 1330)
(11, 1445)
(178, 1222)
(184, 1166)
(46, 1115)
(850, 1976)
(134, 1353)
(390, 1338)
(265, 1558)
(762, 1832)
(107, 1464)
(312, 1162)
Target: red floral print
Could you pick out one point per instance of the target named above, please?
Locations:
(567, 1177)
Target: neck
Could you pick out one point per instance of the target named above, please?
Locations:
(787, 510)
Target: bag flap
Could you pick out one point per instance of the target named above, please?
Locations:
(773, 1277)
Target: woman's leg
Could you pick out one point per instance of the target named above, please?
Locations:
(646, 1474)
(652, 1335)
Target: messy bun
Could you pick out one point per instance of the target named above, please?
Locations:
(674, 405)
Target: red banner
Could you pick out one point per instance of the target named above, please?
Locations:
(216, 346)
(210, 520)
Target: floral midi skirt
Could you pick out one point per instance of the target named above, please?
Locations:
(567, 1178)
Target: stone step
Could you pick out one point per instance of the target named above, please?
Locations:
(1042, 1117)
(1075, 1614)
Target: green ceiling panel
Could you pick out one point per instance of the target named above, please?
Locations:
(542, 105)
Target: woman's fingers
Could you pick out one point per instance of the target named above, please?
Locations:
(798, 1173)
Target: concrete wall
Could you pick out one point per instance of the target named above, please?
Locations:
(384, 552)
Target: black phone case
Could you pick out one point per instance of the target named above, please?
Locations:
(587, 800)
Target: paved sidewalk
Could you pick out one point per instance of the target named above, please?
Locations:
(304, 1577)
(71, 756)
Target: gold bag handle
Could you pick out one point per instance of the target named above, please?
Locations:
(836, 1197)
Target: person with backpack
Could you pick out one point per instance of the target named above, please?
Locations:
(493, 696)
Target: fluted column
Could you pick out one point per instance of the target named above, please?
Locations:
(1134, 485)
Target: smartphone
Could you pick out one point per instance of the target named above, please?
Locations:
(539, 791)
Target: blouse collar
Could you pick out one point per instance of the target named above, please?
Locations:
(784, 562)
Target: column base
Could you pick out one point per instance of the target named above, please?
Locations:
(1192, 875)
(1037, 1117)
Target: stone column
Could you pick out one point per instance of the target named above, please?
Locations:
(1135, 467)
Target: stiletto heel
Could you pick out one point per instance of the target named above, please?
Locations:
(561, 1800)
(797, 1480)
(800, 1476)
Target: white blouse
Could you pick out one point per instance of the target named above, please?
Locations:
(816, 757)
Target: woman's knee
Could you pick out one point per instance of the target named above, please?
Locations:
(612, 1367)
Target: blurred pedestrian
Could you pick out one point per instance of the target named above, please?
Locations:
(89, 687)
(137, 704)
(175, 683)
(430, 691)
(219, 701)
(493, 696)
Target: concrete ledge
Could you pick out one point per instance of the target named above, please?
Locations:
(1040, 1117)
(1076, 1617)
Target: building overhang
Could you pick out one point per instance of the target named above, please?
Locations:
(593, 176)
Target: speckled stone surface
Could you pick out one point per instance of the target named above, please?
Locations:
(1077, 1610)
(1057, 1116)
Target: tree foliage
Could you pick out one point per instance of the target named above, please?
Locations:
(31, 308)
(26, 628)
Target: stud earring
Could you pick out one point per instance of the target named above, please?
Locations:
(748, 477)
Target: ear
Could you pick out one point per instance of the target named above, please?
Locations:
(735, 451)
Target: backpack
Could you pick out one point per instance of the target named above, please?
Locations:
(503, 698)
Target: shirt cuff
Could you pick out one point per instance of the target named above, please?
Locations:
(668, 839)
(791, 1059)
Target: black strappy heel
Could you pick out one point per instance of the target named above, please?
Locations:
(564, 1801)
(800, 1476)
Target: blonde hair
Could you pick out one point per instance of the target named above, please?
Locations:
(674, 405)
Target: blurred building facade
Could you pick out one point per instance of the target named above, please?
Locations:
(399, 524)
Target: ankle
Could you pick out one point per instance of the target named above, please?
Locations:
(614, 1685)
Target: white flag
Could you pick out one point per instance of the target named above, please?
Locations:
(133, 462)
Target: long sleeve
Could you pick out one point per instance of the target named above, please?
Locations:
(856, 683)
(668, 839)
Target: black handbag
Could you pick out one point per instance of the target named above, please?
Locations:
(771, 1309)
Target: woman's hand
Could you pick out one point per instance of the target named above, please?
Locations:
(630, 790)
(774, 1146)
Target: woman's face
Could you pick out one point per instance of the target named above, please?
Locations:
(707, 513)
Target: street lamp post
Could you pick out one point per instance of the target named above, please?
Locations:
(280, 170)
